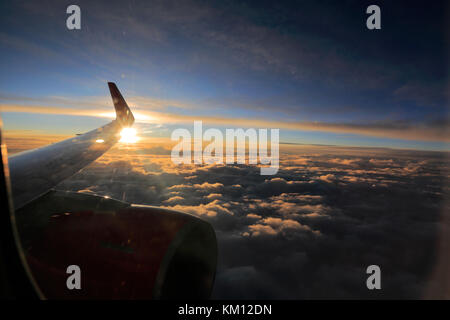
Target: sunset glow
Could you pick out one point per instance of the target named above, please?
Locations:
(128, 135)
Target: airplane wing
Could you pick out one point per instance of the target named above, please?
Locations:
(35, 172)
(124, 251)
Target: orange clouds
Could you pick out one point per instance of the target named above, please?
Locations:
(272, 226)
(204, 186)
(417, 132)
(210, 209)
(21, 140)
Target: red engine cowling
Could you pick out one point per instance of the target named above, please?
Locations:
(123, 251)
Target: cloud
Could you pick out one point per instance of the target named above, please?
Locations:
(426, 131)
(274, 226)
(174, 199)
(328, 177)
(204, 186)
(22, 140)
(297, 235)
(259, 229)
(210, 209)
(214, 196)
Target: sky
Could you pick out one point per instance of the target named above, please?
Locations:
(310, 68)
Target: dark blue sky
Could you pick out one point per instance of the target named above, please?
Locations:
(311, 68)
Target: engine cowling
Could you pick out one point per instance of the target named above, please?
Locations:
(123, 251)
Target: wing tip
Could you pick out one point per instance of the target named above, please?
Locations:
(123, 112)
(111, 84)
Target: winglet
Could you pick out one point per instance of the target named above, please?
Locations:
(123, 112)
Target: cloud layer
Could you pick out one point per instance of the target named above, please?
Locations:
(311, 230)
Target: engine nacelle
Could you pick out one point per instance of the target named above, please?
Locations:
(123, 251)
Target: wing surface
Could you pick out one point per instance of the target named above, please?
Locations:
(35, 172)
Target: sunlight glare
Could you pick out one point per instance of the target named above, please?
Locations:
(128, 135)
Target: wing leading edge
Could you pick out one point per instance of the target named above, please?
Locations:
(34, 172)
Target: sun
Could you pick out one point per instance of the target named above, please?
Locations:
(128, 135)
